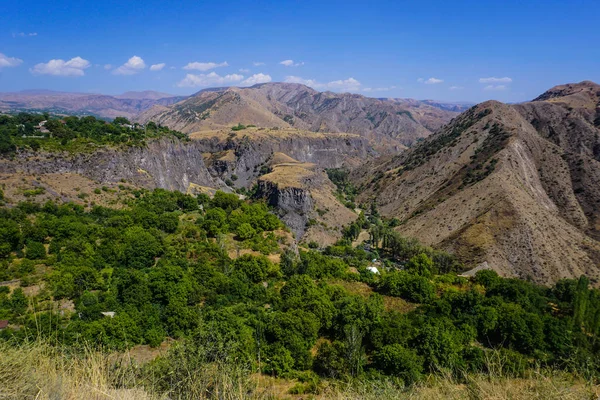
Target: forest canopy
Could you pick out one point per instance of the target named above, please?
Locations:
(163, 266)
(35, 131)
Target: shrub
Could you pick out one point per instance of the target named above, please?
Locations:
(256, 269)
(414, 288)
(35, 250)
(245, 231)
(396, 360)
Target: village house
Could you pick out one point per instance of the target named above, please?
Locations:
(42, 127)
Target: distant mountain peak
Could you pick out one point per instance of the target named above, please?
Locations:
(570, 89)
(144, 95)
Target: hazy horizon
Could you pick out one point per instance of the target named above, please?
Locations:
(467, 52)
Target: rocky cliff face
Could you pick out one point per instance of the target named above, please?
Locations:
(294, 204)
(299, 191)
(248, 153)
(167, 164)
(303, 197)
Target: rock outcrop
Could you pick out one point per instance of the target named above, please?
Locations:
(304, 199)
(248, 153)
(165, 163)
(294, 204)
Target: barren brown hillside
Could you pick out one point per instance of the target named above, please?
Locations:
(285, 105)
(516, 186)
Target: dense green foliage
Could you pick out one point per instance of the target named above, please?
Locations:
(73, 133)
(346, 192)
(162, 265)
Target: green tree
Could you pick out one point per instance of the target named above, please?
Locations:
(420, 265)
(581, 301)
(256, 269)
(410, 287)
(121, 121)
(399, 361)
(168, 222)
(245, 231)
(140, 249)
(18, 302)
(441, 344)
(330, 360)
(226, 201)
(35, 250)
(355, 352)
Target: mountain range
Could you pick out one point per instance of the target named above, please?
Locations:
(390, 123)
(128, 104)
(512, 187)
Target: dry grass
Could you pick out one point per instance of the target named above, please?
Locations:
(40, 371)
(290, 175)
(265, 133)
(282, 158)
(541, 386)
(63, 187)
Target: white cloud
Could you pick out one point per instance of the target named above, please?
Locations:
(291, 63)
(492, 79)
(107, 66)
(308, 82)
(379, 89)
(258, 64)
(257, 78)
(345, 85)
(24, 34)
(157, 67)
(73, 67)
(211, 79)
(495, 87)
(456, 87)
(205, 66)
(134, 65)
(430, 81)
(6, 61)
(244, 70)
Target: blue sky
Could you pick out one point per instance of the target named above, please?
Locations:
(445, 50)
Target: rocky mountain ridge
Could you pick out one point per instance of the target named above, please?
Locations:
(513, 186)
(127, 105)
(391, 124)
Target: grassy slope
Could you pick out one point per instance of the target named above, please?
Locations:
(40, 371)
